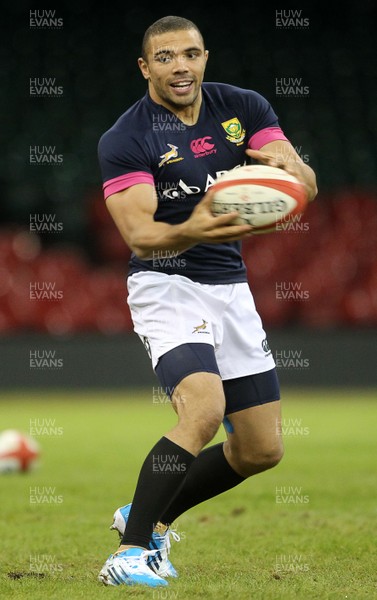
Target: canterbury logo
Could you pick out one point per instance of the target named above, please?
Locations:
(201, 145)
(173, 153)
(200, 327)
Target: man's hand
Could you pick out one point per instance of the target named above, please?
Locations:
(202, 226)
(281, 154)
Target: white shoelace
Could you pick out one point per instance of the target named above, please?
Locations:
(166, 537)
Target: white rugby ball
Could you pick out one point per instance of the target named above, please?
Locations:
(263, 196)
(19, 452)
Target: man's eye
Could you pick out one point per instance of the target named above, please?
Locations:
(164, 58)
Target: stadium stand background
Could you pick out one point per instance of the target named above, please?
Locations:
(329, 258)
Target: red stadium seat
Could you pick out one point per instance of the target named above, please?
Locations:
(330, 254)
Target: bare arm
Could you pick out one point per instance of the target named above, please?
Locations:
(282, 154)
(133, 212)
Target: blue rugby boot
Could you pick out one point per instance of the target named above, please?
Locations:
(130, 568)
(158, 561)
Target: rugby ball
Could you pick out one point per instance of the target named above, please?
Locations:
(18, 452)
(263, 196)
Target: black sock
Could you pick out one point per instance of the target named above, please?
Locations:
(210, 475)
(162, 473)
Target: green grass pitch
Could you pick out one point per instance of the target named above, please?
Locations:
(304, 530)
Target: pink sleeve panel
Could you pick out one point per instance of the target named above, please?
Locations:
(264, 136)
(117, 184)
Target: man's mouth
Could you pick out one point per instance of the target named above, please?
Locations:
(182, 86)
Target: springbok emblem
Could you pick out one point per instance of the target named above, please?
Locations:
(200, 327)
(172, 153)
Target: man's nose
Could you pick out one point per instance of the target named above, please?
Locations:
(180, 63)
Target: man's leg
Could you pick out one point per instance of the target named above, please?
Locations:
(200, 403)
(254, 444)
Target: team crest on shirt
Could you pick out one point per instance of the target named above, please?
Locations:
(170, 156)
(236, 133)
(200, 328)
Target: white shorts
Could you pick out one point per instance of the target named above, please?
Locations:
(170, 310)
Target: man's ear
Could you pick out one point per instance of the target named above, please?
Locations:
(143, 67)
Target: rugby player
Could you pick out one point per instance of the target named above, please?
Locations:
(187, 284)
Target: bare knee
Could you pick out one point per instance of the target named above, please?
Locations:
(250, 461)
(267, 458)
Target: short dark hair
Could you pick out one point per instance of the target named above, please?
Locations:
(164, 25)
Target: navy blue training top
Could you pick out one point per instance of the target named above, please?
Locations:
(149, 144)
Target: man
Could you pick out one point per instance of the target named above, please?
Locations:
(188, 291)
